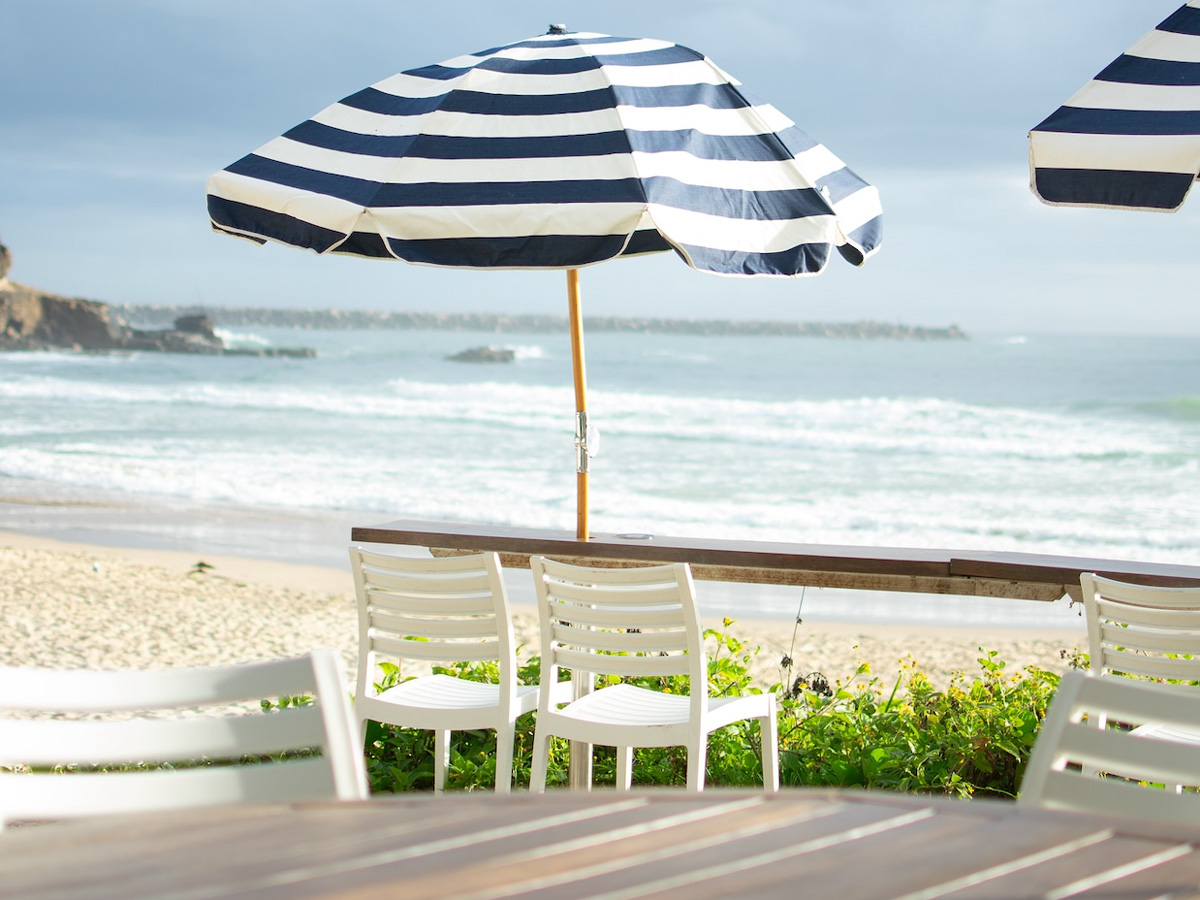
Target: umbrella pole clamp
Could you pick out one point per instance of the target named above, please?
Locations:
(582, 454)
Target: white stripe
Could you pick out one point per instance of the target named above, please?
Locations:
(1134, 153)
(1111, 95)
(455, 124)
(429, 222)
(742, 235)
(319, 209)
(858, 209)
(484, 81)
(417, 223)
(1167, 45)
(721, 122)
(699, 71)
(766, 175)
(575, 51)
(405, 170)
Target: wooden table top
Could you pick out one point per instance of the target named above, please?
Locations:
(666, 844)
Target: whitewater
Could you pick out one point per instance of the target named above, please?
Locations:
(1078, 445)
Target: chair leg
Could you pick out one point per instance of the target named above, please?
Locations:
(768, 734)
(624, 768)
(697, 760)
(504, 760)
(541, 759)
(441, 759)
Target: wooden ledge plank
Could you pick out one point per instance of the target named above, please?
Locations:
(1047, 567)
(662, 548)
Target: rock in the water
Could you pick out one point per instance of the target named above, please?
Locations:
(485, 354)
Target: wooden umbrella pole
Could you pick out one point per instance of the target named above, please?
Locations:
(579, 371)
(579, 773)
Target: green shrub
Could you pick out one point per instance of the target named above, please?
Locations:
(972, 738)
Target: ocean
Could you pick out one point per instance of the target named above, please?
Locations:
(1080, 445)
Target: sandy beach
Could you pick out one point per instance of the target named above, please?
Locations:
(76, 605)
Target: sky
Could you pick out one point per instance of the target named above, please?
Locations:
(114, 113)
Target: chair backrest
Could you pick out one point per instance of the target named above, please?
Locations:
(609, 621)
(165, 732)
(449, 609)
(1068, 750)
(1139, 630)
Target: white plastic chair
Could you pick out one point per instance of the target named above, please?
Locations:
(1060, 772)
(453, 609)
(639, 621)
(1145, 632)
(171, 736)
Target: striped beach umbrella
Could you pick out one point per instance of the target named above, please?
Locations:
(557, 152)
(1130, 138)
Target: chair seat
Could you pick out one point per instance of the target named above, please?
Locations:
(445, 692)
(626, 705)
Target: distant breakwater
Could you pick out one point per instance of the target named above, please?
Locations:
(500, 323)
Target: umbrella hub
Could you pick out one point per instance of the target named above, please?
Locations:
(558, 29)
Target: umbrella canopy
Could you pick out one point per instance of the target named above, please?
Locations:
(1130, 138)
(556, 152)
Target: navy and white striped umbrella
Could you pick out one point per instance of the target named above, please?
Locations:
(1130, 138)
(556, 152)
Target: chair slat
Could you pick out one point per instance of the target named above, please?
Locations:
(602, 664)
(1152, 666)
(59, 796)
(438, 651)
(620, 641)
(477, 627)
(88, 690)
(1110, 750)
(1078, 791)
(623, 617)
(1149, 617)
(49, 743)
(1155, 640)
(407, 583)
(449, 605)
(618, 595)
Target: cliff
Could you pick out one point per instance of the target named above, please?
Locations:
(34, 320)
(329, 319)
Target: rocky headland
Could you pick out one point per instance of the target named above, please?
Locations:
(349, 319)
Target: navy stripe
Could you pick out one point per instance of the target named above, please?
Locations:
(804, 259)
(364, 192)
(436, 72)
(739, 147)
(646, 241)
(733, 203)
(714, 96)
(530, 252)
(868, 236)
(1143, 70)
(1155, 190)
(364, 243)
(841, 184)
(751, 147)
(1185, 20)
(432, 146)
(551, 67)
(1077, 120)
(661, 56)
(241, 217)
(796, 141)
(376, 101)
